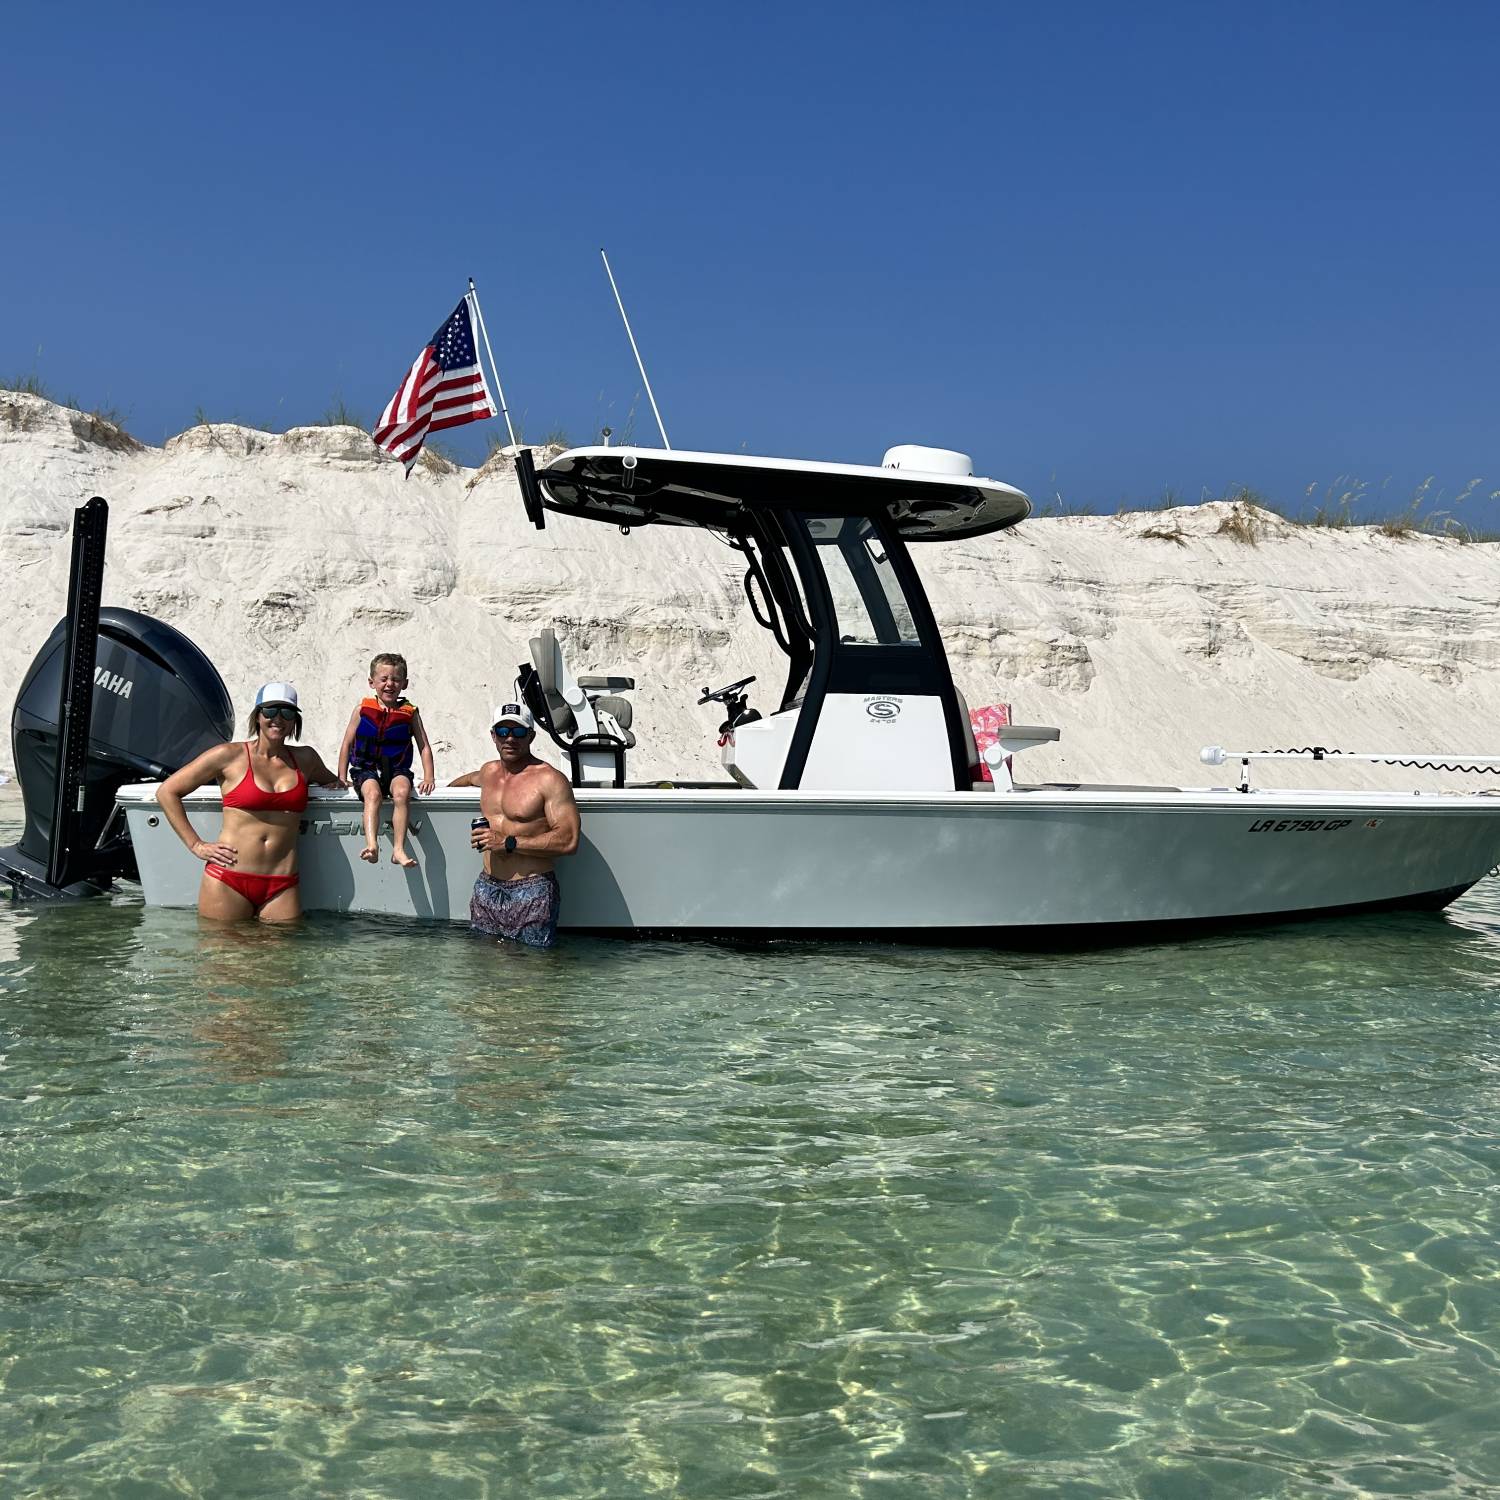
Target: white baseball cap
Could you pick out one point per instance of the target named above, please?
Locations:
(512, 713)
(276, 692)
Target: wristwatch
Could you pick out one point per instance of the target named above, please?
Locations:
(510, 843)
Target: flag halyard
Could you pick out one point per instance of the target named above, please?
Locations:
(444, 388)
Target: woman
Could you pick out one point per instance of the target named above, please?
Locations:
(251, 870)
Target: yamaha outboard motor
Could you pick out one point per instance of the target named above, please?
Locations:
(146, 700)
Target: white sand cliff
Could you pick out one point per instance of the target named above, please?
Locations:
(1142, 637)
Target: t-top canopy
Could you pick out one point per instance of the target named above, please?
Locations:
(642, 486)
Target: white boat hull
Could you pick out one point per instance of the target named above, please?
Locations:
(1069, 864)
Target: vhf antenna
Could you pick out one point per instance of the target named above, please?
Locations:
(634, 350)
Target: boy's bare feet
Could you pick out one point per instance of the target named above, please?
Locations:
(369, 854)
(402, 858)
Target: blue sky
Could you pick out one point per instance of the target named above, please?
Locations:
(1107, 249)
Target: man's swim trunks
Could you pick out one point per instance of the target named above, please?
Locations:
(382, 743)
(523, 911)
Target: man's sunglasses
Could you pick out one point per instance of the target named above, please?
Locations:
(278, 711)
(508, 731)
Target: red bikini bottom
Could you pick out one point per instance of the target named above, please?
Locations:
(256, 889)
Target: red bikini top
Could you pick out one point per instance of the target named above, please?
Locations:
(247, 793)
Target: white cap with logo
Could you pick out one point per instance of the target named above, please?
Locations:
(512, 713)
(276, 692)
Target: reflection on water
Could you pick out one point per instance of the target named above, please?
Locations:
(360, 1208)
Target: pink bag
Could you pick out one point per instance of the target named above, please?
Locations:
(987, 723)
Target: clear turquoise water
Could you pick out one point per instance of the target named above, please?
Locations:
(364, 1210)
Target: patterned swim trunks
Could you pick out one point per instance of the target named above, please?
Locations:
(522, 911)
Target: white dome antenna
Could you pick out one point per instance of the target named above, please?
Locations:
(927, 460)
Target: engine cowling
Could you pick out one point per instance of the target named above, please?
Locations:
(157, 703)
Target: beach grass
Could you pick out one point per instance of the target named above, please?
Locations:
(339, 414)
(1343, 504)
(104, 425)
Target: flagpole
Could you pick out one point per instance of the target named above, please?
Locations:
(639, 363)
(494, 368)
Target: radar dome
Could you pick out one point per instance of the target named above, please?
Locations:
(927, 460)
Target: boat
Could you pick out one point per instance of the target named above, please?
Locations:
(859, 803)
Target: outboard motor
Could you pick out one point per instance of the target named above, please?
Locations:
(156, 702)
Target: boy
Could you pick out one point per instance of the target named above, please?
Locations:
(377, 753)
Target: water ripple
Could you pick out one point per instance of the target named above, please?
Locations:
(358, 1209)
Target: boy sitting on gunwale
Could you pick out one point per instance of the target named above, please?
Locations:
(377, 755)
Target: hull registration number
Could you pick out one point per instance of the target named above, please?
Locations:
(1299, 825)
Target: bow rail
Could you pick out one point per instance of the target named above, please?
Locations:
(1479, 765)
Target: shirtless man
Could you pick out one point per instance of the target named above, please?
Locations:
(533, 821)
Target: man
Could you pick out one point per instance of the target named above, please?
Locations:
(533, 820)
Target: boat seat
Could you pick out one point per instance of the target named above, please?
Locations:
(547, 659)
(590, 724)
(994, 742)
(621, 710)
(1009, 743)
(1016, 737)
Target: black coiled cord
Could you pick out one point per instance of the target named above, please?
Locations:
(1320, 752)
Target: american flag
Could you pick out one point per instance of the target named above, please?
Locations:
(444, 388)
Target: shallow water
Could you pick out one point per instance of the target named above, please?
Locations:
(365, 1209)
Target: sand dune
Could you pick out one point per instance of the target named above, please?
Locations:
(1142, 637)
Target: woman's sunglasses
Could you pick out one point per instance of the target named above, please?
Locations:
(507, 731)
(278, 711)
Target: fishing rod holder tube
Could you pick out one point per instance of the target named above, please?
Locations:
(531, 494)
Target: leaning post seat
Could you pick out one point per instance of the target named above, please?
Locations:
(585, 716)
(994, 741)
(1013, 739)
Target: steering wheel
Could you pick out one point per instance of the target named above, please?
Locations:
(721, 694)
